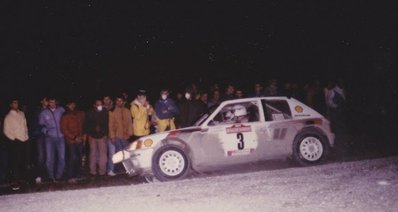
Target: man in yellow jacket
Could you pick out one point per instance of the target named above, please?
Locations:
(140, 111)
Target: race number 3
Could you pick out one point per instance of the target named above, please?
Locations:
(241, 143)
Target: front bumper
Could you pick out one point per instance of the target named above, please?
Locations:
(137, 162)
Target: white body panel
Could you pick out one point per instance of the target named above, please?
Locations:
(211, 146)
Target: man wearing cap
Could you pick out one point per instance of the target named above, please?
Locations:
(140, 110)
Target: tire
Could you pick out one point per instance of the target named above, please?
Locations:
(170, 162)
(310, 148)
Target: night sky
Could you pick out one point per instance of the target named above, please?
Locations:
(78, 48)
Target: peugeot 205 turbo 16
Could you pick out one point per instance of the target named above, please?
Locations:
(234, 132)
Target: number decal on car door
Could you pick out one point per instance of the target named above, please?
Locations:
(238, 139)
(241, 143)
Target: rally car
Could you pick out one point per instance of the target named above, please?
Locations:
(234, 132)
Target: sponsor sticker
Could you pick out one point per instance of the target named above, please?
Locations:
(301, 115)
(298, 109)
(238, 128)
(240, 152)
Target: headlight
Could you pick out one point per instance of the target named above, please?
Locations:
(120, 156)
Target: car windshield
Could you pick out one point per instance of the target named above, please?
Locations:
(205, 115)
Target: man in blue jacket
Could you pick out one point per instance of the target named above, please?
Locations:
(166, 110)
(50, 120)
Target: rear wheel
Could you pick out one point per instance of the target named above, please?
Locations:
(309, 148)
(170, 163)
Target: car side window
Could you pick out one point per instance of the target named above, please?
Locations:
(242, 112)
(276, 110)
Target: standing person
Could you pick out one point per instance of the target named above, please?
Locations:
(50, 119)
(286, 90)
(328, 101)
(204, 100)
(239, 93)
(166, 111)
(215, 99)
(258, 90)
(179, 96)
(297, 91)
(39, 138)
(108, 103)
(315, 97)
(190, 109)
(336, 102)
(272, 88)
(229, 92)
(16, 131)
(72, 128)
(120, 130)
(96, 128)
(140, 111)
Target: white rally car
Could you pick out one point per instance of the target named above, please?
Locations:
(235, 132)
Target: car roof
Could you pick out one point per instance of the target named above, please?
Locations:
(259, 98)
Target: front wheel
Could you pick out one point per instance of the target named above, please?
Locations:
(309, 149)
(170, 163)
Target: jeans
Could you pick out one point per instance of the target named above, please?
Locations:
(119, 144)
(55, 147)
(74, 160)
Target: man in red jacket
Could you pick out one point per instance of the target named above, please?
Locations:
(72, 128)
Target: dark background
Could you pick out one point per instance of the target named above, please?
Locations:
(80, 49)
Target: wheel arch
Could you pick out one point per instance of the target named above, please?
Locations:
(313, 130)
(310, 131)
(171, 143)
(176, 142)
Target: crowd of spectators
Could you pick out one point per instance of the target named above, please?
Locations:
(56, 142)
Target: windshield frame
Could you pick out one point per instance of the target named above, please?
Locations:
(204, 116)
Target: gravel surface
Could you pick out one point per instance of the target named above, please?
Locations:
(365, 185)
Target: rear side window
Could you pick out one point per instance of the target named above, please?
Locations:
(276, 110)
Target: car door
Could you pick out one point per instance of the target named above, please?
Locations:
(278, 131)
(231, 136)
